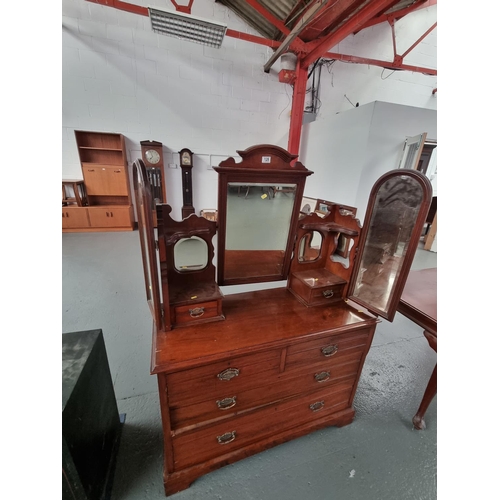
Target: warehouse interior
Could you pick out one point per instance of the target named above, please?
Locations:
(350, 88)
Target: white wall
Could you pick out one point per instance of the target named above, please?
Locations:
(119, 76)
(352, 149)
(345, 84)
(390, 125)
(334, 149)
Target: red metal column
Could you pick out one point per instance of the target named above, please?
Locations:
(297, 116)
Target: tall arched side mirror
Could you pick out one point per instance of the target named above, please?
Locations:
(396, 213)
(258, 213)
(144, 206)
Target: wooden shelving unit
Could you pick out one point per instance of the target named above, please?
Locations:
(103, 158)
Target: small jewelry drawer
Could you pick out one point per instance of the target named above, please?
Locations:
(195, 312)
(316, 287)
(326, 294)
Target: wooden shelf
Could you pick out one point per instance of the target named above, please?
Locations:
(103, 159)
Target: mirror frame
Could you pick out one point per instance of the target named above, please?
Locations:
(400, 282)
(264, 163)
(144, 198)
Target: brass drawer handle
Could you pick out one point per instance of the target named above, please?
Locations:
(90, 170)
(226, 403)
(329, 350)
(226, 438)
(317, 406)
(117, 171)
(228, 374)
(197, 312)
(322, 377)
(328, 294)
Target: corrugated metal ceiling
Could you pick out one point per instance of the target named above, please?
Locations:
(289, 13)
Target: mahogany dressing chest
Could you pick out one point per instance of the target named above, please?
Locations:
(241, 373)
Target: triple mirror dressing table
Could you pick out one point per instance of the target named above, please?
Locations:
(245, 372)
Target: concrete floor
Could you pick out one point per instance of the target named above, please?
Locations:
(378, 457)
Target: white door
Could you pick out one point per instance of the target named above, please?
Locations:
(412, 149)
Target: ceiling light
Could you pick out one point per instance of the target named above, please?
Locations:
(187, 27)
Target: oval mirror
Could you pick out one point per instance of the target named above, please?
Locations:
(190, 254)
(310, 246)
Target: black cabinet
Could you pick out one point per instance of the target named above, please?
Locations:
(91, 425)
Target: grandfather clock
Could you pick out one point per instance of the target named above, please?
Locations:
(186, 157)
(152, 156)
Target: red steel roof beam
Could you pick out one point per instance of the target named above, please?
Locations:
(128, 7)
(398, 14)
(144, 11)
(353, 24)
(252, 38)
(336, 12)
(297, 114)
(277, 23)
(186, 9)
(303, 22)
(382, 64)
(419, 40)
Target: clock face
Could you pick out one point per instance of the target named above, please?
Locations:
(186, 158)
(152, 156)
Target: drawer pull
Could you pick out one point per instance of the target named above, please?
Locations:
(226, 438)
(197, 312)
(322, 377)
(317, 406)
(228, 374)
(90, 170)
(117, 171)
(226, 403)
(329, 350)
(328, 294)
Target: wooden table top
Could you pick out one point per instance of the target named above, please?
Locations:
(419, 299)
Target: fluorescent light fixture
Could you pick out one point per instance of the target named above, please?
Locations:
(187, 27)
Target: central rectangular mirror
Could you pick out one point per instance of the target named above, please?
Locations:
(258, 213)
(257, 228)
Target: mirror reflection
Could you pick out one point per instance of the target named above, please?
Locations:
(190, 254)
(310, 246)
(257, 227)
(343, 251)
(389, 231)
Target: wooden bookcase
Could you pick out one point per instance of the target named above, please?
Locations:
(103, 158)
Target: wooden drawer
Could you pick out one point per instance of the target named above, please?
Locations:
(211, 381)
(326, 294)
(74, 217)
(192, 313)
(110, 216)
(337, 348)
(317, 287)
(229, 404)
(211, 441)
